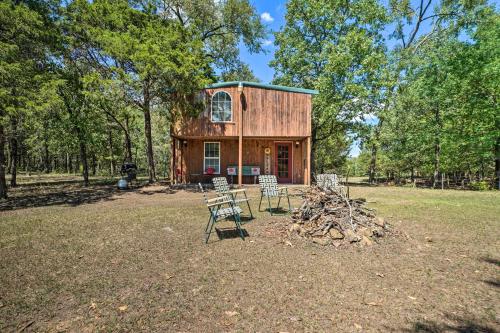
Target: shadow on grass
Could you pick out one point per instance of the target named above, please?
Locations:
(490, 260)
(494, 283)
(71, 193)
(244, 219)
(228, 233)
(277, 211)
(454, 324)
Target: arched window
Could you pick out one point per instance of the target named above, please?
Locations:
(221, 107)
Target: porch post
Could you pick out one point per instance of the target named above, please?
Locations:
(181, 143)
(308, 178)
(240, 138)
(172, 160)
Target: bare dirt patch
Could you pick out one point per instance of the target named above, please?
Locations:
(138, 263)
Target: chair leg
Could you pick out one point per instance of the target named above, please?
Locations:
(250, 210)
(208, 224)
(269, 204)
(289, 206)
(279, 200)
(260, 201)
(210, 231)
(248, 204)
(238, 225)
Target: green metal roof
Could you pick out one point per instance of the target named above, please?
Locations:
(263, 86)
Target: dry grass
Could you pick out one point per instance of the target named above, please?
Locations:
(135, 261)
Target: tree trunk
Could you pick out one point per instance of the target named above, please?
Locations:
(68, 163)
(149, 139)
(111, 155)
(3, 183)
(27, 164)
(437, 147)
(83, 158)
(314, 146)
(127, 142)
(9, 158)
(373, 164)
(437, 155)
(46, 160)
(13, 152)
(497, 163)
(94, 164)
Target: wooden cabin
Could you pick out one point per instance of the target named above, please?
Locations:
(254, 127)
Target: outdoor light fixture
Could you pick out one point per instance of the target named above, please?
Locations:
(297, 144)
(185, 143)
(240, 87)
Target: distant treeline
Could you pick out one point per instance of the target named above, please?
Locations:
(87, 85)
(416, 83)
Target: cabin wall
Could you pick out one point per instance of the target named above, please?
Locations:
(190, 158)
(266, 113)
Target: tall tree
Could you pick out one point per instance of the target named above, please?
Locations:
(23, 51)
(161, 52)
(337, 48)
(241, 73)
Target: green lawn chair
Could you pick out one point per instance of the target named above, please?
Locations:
(330, 181)
(221, 208)
(269, 188)
(222, 189)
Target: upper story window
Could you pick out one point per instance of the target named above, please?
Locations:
(221, 107)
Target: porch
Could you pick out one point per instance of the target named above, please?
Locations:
(200, 159)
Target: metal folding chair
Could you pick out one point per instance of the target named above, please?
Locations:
(269, 188)
(222, 189)
(330, 181)
(218, 212)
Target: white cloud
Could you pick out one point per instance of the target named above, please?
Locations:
(267, 42)
(266, 17)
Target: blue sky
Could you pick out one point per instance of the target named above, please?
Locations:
(272, 13)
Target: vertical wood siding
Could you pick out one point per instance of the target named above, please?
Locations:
(253, 154)
(268, 113)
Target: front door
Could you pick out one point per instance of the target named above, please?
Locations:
(283, 162)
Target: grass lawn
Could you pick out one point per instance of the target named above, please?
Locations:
(85, 260)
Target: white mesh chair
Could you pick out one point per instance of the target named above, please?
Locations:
(222, 189)
(269, 188)
(221, 208)
(329, 181)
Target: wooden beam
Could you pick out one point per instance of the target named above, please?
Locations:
(308, 167)
(172, 160)
(240, 143)
(182, 158)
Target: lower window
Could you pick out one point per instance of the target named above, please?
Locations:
(211, 160)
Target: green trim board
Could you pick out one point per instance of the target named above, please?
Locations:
(263, 86)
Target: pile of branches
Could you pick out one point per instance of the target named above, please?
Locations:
(328, 217)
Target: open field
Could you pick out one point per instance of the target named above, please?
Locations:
(96, 259)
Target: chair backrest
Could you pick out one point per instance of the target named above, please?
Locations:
(221, 185)
(205, 198)
(268, 184)
(320, 180)
(327, 180)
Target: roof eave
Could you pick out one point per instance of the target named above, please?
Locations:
(263, 86)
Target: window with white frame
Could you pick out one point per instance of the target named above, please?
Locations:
(221, 107)
(211, 160)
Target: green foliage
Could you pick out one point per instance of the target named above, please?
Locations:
(337, 48)
(241, 73)
(84, 82)
(480, 185)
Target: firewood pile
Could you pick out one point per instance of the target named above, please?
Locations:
(328, 217)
